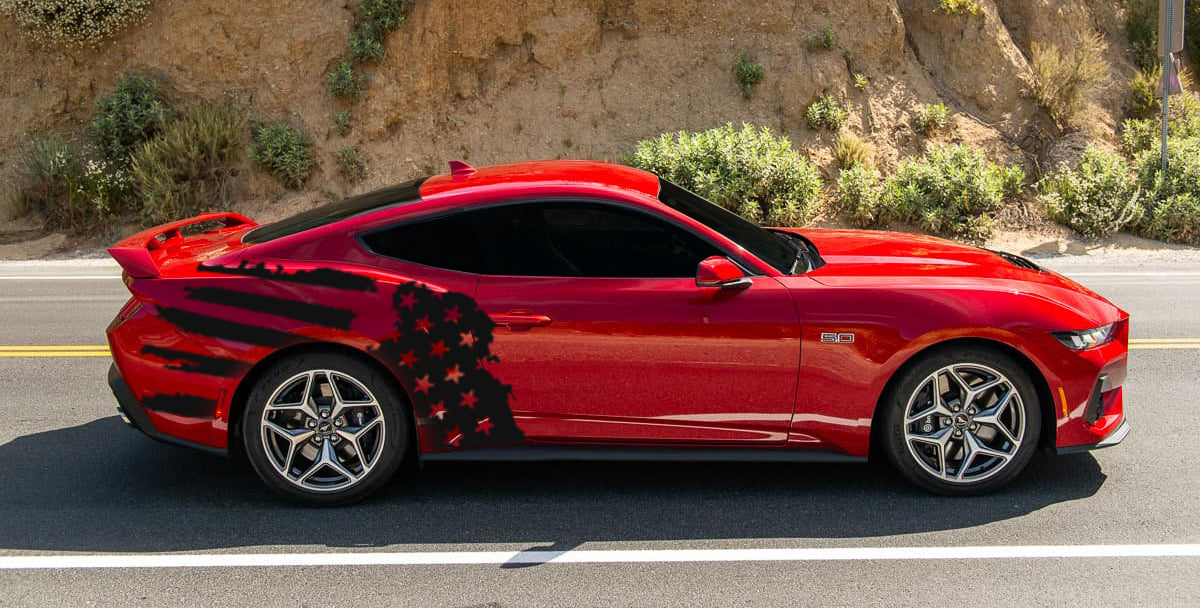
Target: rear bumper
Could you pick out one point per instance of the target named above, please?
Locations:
(1117, 436)
(133, 414)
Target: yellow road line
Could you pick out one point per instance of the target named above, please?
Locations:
(53, 354)
(1164, 340)
(1164, 346)
(23, 348)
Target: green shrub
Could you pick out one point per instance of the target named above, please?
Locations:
(748, 73)
(1146, 133)
(1145, 86)
(860, 81)
(384, 15)
(128, 116)
(748, 171)
(950, 190)
(74, 22)
(1065, 79)
(376, 19)
(342, 121)
(960, 7)
(284, 152)
(190, 167)
(345, 82)
(930, 118)
(1173, 209)
(1141, 28)
(66, 189)
(351, 164)
(852, 149)
(1096, 198)
(366, 45)
(825, 39)
(826, 112)
(858, 195)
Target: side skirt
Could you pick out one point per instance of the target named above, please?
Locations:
(534, 453)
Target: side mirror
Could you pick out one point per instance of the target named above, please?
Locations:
(722, 273)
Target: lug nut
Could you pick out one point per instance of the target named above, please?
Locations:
(974, 426)
(339, 422)
(971, 411)
(334, 438)
(312, 424)
(324, 413)
(958, 433)
(956, 408)
(318, 438)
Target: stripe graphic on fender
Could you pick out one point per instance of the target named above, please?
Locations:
(323, 277)
(189, 406)
(327, 316)
(228, 330)
(197, 364)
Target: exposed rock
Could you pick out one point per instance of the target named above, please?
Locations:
(501, 80)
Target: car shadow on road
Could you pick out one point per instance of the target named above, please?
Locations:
(102, 487)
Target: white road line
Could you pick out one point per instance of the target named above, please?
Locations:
(209, 560)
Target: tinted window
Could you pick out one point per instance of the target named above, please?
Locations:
(765, 245)
(584, 240)
(447, 242)
(407, 192)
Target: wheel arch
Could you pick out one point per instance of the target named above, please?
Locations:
(237, 403)
(1041, 386)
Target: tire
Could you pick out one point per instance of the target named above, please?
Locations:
(980, 436)
(312, 450)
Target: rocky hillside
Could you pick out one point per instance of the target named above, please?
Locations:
(492, 81)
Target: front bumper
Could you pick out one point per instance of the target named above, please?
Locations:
(133, 414)
(1117, 436)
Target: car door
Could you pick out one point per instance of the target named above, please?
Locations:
(604, 336)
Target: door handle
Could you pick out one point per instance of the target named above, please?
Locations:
(520, 320)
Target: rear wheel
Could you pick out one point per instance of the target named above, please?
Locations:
(324, 428)
(962, 421)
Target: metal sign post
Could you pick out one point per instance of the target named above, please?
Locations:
(1170, 41)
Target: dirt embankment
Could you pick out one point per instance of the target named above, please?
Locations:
(492, 81)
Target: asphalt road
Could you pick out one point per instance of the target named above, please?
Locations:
(74, 481)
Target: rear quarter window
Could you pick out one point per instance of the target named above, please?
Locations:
(400, 194)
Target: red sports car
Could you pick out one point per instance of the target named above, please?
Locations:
(569, 309)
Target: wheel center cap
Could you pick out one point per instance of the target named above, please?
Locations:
(961, 420)
(325, 428)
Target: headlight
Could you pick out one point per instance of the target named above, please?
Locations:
(1083, 340)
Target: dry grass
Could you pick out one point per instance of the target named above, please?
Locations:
(852, 149)
(1066, 79)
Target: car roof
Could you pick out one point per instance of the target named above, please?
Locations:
(543, 172)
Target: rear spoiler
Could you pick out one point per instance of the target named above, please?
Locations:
(141, 253)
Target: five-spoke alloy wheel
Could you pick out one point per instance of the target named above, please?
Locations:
(324, 428)
(962, 421)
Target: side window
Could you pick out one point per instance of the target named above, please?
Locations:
(585, 240)
(447, 242)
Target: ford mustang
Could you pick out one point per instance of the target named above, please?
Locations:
(585, 310)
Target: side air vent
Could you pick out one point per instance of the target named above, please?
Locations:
(1017, 260)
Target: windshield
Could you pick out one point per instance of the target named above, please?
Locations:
(766, 246)
(408, 192)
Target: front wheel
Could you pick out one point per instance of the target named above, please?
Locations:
(324, 428)
(962, 421)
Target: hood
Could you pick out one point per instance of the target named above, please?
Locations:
(905, 260)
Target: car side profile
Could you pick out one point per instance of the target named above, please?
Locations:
(585, 310)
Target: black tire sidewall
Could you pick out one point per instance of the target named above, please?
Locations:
(896, 401)
(392, 404)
